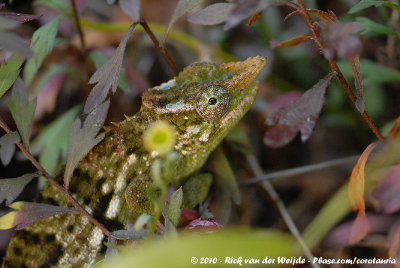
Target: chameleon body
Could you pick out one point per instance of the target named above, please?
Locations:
(202, 103)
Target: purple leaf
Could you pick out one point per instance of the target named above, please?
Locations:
(107, 76)
(244, 9)
(298, 116)
(7, 147)
(131, 8)
(83, 137)
(211, 15)
(11, 188)
(182, 7)
(387, 192)
(19, 17)
(340, 40)
(22, 110)
(28, 213)
(14, 43)
(131, 235)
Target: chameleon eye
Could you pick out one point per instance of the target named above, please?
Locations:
(213, 102)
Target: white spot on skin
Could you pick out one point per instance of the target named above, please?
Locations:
(113, 207)
(106, 188)
(204, 137)
(96, 237)
(120, 182)
(166, 85)
(175, 106)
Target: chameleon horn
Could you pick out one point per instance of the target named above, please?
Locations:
(244, 71)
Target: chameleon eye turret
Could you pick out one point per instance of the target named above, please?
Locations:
(213, 102)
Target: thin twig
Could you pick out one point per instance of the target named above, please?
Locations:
(301, 170)
(78, 24)
(313, 27)
(44, 173)
(255, 167)
(157, 44)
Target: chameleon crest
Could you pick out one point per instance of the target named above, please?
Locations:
(203, 104)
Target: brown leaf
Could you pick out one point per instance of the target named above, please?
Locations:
(298, 116)
(322, 15)
(395, 131)
(107, 76)
(394, 241)
(355, 67)
(340, 40)
(254, 18)
(356, 184)
(291, 42)
(212, 14)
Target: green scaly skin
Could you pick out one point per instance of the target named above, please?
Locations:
(111, 181)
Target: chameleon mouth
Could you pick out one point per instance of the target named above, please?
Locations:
(245, 72)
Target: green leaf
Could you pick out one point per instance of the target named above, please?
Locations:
(212, 14)
(363, 4)
(43, 41)
(7, 146)
(174, 207)
(83, 137)
(11, 188)
(22, 110)
(52, 140)
(233, 243)
(9, 72)
(369, 26)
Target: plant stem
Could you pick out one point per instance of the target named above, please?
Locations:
(267, 186)
(313, 27)
(78, 24)
(157, 44)
(301, 170)
(60, 188)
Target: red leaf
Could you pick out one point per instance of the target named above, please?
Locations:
(340, 40)
(206, 225)
(291, 42)
(299, 116)
(244, 9)
(386, 193)
(189, 214)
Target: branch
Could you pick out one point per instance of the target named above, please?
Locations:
(301, 170)
(313, 27)
(267, 186)
(52, 181)
(78, 24)
(157, 44)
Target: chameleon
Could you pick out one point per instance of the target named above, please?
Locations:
(203, 103)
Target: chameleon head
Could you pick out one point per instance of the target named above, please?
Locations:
(205, 101)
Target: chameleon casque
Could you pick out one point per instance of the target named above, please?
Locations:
(203, 103)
